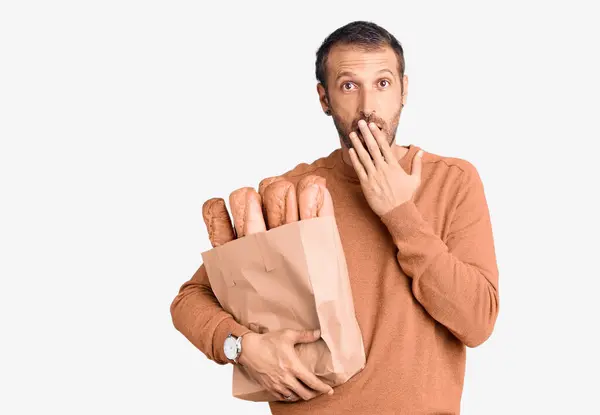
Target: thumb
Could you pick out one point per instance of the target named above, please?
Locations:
(306, 336)
(417, 164)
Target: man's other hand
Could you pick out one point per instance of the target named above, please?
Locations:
(272, 361)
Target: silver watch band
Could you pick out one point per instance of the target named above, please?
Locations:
(238, 345)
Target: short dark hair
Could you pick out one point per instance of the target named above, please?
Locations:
(366, 35)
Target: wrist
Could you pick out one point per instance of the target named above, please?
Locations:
(246, 341)
(223, 330)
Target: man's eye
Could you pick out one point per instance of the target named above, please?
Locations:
(384, 80)
(344, 85)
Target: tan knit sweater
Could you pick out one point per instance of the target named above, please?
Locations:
(424, 280)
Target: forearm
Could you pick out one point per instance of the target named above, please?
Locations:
(456, 288)
(197, 314)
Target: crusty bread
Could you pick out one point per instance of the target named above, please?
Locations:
(280, 203)
(264, 183)
(218, 222)
(309, 180)
(314, 200)
(246, 209)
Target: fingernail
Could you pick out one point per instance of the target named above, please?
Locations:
(317, 332)
(420, 153)
(330, 392)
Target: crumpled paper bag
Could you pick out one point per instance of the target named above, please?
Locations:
(292, 276)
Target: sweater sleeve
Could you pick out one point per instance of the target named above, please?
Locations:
(198, 315)
(457, 281)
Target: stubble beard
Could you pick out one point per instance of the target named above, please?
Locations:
(389, 128)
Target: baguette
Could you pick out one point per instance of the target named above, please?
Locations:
(262, 186)
(314, 200)
(264, 183)
(280, 203)
(218, 222)
(247, 213)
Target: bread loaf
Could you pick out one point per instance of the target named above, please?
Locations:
(246, 209)
(261, 191)
(264, 183)
(218, 222)
(314, 200)
(280, 203)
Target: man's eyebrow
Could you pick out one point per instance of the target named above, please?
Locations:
(350, 73)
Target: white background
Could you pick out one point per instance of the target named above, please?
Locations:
(118, 119)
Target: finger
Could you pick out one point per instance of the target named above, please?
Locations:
(371, 143)
(282, 391)
(299, 389)
(310, 379)
(303, 336)
(363, 155)
(358, 167)
(278, 395)
(417, 165)
(384, 146)
(292, 398)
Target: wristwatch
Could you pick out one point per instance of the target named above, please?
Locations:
(233, 347)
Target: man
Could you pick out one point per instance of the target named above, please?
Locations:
(418, 241)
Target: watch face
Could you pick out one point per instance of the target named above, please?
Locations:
(230, 347)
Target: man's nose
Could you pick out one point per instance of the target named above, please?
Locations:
(367, 105)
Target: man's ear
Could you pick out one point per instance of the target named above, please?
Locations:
(323, 98)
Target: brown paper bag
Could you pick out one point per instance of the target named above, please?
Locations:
(293, 276)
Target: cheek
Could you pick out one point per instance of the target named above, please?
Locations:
(344, 122)
(344, 115)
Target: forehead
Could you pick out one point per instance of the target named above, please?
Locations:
(360, 61)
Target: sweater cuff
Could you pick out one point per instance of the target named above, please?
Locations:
(226, 326)
(418, 245)
(404, 221)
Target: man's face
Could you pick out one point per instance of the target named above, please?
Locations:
(363, 85)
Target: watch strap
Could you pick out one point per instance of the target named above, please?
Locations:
(226, 326)
(238, 345)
